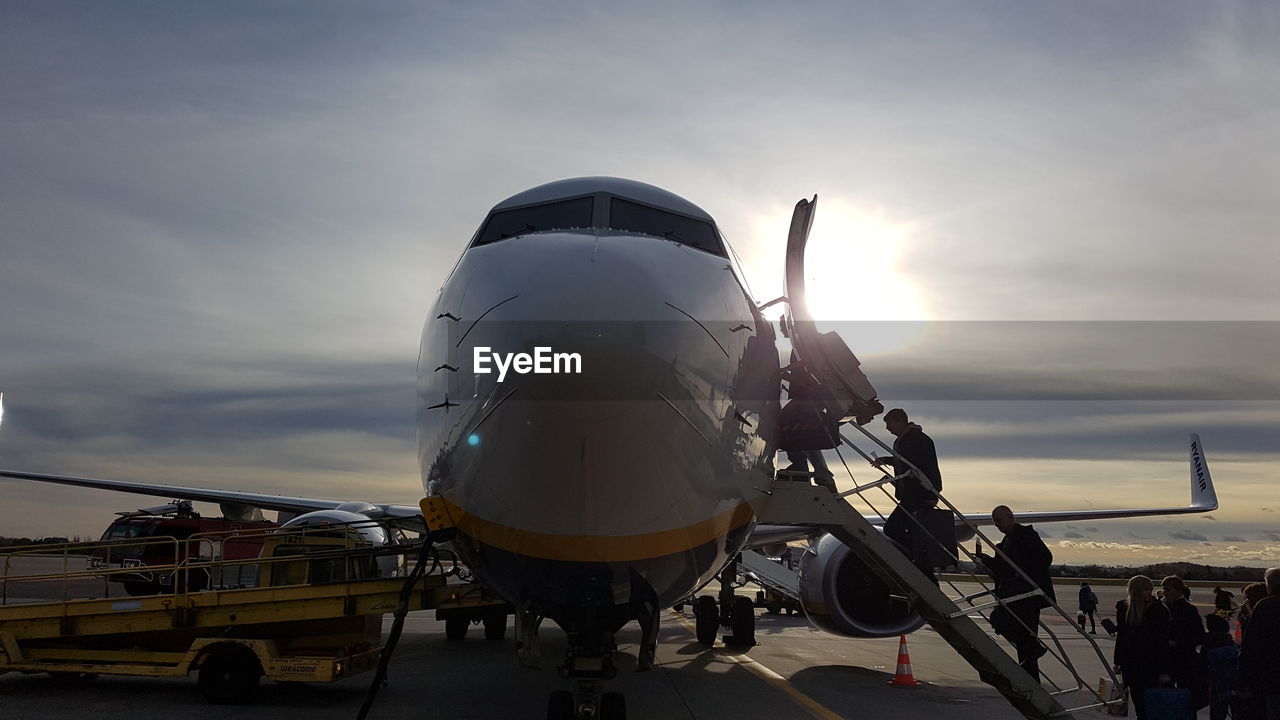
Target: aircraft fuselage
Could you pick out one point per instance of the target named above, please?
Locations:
(629, 480)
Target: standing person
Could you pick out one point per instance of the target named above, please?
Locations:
(1253, 593)
(1019, 621)
(1223, 656)
(913, 493)
(1088, 606)
(1142, 641)
(1186, 631)
(1260, 651)
(1222, 601)
(806, 428)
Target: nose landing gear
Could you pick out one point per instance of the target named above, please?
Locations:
(587, 706)
(587, 663)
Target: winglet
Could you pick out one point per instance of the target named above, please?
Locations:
(1203, 496)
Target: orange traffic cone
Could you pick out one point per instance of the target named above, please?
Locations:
(903, 675)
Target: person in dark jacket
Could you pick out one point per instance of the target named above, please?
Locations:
(1222, 600)
(1019, 621)
(916, 448)
(806, 427)
(1186, 631)
(1088, 606)
(1260, 651)
(1253, 594)
(1222, 655)
(1142, 641)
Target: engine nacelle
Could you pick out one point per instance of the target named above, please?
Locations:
(841, 595)
(360, 528)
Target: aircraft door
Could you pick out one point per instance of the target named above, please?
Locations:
(847, 392)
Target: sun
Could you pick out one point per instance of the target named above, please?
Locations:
(853, 275)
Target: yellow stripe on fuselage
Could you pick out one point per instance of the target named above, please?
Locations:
(597, 548)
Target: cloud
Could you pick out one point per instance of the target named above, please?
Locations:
(311, 129)
(1271, 535)
(1098, 545)
(1233, 538)
(1073, 534)
(1187, 535)
(1091, 529)
(1234, 553)
(1267, 509)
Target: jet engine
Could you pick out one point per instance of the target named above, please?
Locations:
(842, 596)
(350, 520)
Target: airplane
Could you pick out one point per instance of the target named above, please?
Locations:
(598, 400)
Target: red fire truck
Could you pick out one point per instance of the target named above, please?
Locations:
(165, 538)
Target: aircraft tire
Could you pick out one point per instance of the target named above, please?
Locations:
(744, 621)
(706, 620)
(560, 705)
(495, 627)
(455, 627)
(613, 706)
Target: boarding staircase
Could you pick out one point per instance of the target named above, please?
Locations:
(769, 574)
(954, 618)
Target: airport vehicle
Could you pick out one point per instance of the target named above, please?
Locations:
(177, 521)
(599, 493)
(313, 613)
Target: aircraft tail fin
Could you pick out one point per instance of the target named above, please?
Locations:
(1202, 493)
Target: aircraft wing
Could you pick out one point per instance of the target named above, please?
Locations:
(411, 515)
(1203, 499)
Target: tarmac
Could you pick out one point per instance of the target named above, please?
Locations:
(794, 672)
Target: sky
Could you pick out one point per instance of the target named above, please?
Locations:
(1048, 230)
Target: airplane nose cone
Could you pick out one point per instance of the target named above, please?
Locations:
(595, 374)
(611, 317)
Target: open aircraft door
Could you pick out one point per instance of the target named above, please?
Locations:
(848, 394)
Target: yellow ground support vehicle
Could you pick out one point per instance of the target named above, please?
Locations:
(309, 609)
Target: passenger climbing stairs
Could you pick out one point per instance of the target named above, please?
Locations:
(957, 617)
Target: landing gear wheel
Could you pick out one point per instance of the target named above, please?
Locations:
(744, 622)
(560, 706)
(495, 627)
(455, 627)
(230, 676)
(706, 620)
(613, 706)
(678, 607)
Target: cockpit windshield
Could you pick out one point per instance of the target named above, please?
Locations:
(623, 215)
(633, 217)
(564, 215)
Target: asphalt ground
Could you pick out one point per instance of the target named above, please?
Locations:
(794, 672)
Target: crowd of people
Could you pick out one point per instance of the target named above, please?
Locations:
(1161, 638)
(1164, 642)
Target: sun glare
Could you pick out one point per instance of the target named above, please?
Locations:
(853, 275)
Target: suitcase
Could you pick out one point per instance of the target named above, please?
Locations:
(1109, 625)
(938, 551)
(1169, 704)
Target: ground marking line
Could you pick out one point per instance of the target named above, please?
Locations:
(815, 708)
